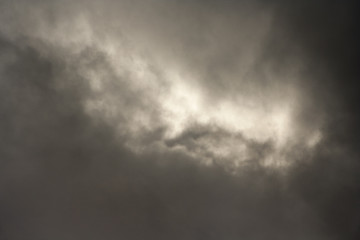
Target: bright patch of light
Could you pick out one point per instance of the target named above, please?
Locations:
(184, 105)
(137, 95)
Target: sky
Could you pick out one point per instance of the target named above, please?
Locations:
(169, 119)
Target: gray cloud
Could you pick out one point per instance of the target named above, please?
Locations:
(84, 147)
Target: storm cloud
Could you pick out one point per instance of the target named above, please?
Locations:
(179, 120)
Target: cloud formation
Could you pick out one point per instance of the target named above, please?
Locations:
(179, 120)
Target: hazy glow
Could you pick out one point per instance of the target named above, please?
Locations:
(138, 91)
(181, 103)
(185, 105)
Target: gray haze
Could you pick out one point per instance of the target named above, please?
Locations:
(179, 120)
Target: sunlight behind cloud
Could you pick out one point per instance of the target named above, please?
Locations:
(140, 90)
(181, 103)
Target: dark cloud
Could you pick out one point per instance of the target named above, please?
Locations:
(326, 33)
(65, 173)
(216, 146)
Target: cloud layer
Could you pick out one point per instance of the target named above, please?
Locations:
(178, 120)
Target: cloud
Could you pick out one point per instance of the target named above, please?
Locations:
(174, 120)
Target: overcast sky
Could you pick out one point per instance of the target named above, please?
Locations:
(181, 120)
